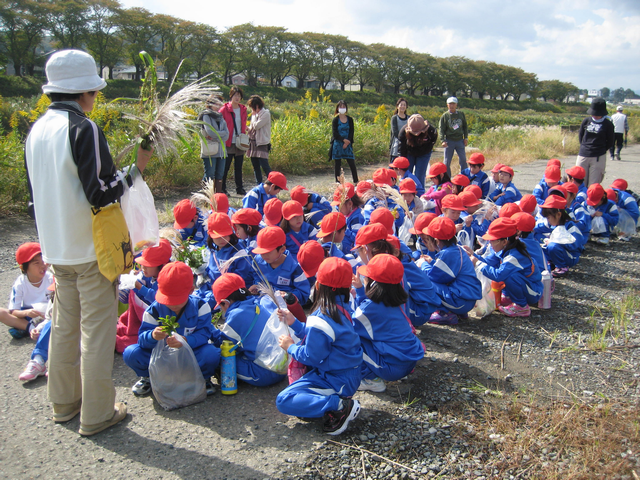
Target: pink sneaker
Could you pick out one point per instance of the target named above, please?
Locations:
(32, 371)
(504, 301)
(440, 317)
(560, 271)
(514, 310)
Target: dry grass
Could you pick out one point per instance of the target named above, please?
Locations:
(553, 440)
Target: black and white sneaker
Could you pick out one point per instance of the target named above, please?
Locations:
(142, 387)
(211, 388)
(336, 422)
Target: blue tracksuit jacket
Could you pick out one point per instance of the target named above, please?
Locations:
(242, 266)
(288, 277)
(423, 300)
(511, 194)
(374, 203)
(355, 221)
(580, 216)
(198, 233)
(566, 254)
(480, 179)
(319, 208)
(296, 239)
(419, 186)
(626, 201)
(256, 198)
(610, 215)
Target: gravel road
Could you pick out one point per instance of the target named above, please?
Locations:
(245, 437)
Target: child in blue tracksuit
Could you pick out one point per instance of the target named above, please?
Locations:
(295, 228)
(627, 204)
(390, 348)
(523, 282)
(193, 315)
(550, 180)
(246, 224)
(402, 168)
(452, 274)
(331, 348)
(190, 223)
(244, 322)
(315, 206)
(506, 191)
(525, 224)
(475, 174)
(474, 225)
(604, 208)
(258, 196)
(424, 245)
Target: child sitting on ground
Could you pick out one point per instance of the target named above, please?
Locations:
(272, 212)
(258, 196)
(441, 186)
(29, 289)
(223, 245)
(348, 202)
(142, 295)
(401, 166)
(246, 223)
(576, 175)
(551, 179)
(525, 224)
(474, 225)
(315, 206)
(476, 175)
(459, 182)
(190, 223)
(409, 192)
(627, 206)
(377, 197)
(37, 365)
(506, 191)
(310, 256)
(452, 208)
(295, 228)
(331, 234)
(424, 244)
(175, 284)
(604, 208)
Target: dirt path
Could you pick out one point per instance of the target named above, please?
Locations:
(245, 437)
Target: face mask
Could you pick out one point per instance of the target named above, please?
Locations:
(342, 111)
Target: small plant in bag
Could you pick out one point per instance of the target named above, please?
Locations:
(186, 253)
(169, 324)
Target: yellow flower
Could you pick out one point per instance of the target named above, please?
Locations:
(313, 114)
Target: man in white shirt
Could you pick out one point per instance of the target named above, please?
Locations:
(621, 126)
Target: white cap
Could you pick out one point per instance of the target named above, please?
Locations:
(72, 71)
(619, 108)
(452, 100)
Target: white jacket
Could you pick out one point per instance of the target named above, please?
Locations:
(261, 124)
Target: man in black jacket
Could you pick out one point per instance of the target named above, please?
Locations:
(596, 138)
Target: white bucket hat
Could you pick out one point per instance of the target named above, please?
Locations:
(72, 71)
(452, 100)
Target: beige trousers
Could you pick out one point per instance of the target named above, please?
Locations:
(593, 167)
(82, 343)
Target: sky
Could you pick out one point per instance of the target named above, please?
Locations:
(592, 44)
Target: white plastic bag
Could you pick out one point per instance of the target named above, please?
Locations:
(429, 204)
(561, 236)
(140, 213)
(268, 352)
(176, 378)
(487, 304)
(464, 239)
(598, 225)
(403, 232)
(626, 227)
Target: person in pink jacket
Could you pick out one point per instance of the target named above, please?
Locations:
(441, 186)
(235, 114)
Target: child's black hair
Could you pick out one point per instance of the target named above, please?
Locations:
(557, 193)
(340, 230)
(356, 201)
(284, 225)
(444, 178)
(564, 218)
(325, 300)
(524, 234)
(579, 181)
(250, 230)
(447, 243)
(65, 97)
(382, 246)
(457, 189)
(233, 240)
(392, 295)
(515, 242)
(238, 296)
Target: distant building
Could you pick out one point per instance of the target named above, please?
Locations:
(595, 93)
(632, 101)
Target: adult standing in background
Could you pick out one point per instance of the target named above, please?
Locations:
(417, 139)
(342, 141)
(621, 129)
(454, 134)
(398, 121)
(259, 137)
(235, 114)
(597, 136)
(70, 170)
(216, 133)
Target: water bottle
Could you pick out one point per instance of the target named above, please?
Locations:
(228, 377)
(496, 288)
(545, 299)
(282, 305)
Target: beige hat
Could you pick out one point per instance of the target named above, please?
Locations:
(72, 71)
(416, 124)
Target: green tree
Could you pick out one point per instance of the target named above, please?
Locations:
(103, 39)
(343, 51)
(206, 41)
(628, 93)
(303, 58)
(138, 31)
(618, 95)
(22, 28)
(363, 66)
(67, 22)
(323, 58)
(606, 92)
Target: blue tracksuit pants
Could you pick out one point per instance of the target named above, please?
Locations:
(42, 345)
(256, 375)
(451, 303)
(137, 358)
(516, 289)
(374, 365)
(558, 255)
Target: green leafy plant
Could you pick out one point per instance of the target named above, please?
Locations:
(169, 324)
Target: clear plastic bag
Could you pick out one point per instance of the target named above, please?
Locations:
(598, 225)
(561, 235)
(626, 227)
(487, 304)
(176, 378)
(464, 239)
(429, 204)
(140, 213)
(403, 232)
(268, 352)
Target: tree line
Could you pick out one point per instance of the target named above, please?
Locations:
(29, 29)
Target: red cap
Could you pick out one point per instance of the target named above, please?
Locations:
(595, 194)
(335, 273)
(508, 209)
(292, 208)
(383, 268)
(469, 199)
(394, 241)
(524, 221)
(453, 202)
(27, 251)
(362, 187)
(269, 238)
(559, 188)
(393, 173)
(528, 203)
(332, 222)
(156, 256)
(620, 184)
(300, 195)
(310, 256)
(441, 228)
(436, 169)
(369, 234)
(273, 212)
(496, 168)
(219, 225)
(576, 172)
(401, 162)
(554, 162)
(570, 187)
(422, 222)
(552, 174)
(408, 186)
(554, 201)
(506, 169)
(475, 189)
(476, 158)
(278, 179)
(246, 216)
(384, 217)
(381, 177)
(351, 191)
(611, 194)
(183, 212)
(175, 284)
(460, 180)
(222, 202)
(501, 228)
(225, 285)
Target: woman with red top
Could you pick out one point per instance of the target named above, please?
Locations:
(235, 114)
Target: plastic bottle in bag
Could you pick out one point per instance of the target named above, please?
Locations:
(545, 299)
(496, 288)
(228, 376)
(282, 305)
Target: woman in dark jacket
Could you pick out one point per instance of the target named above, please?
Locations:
(596, 135)
(342, 141)
(417, 138)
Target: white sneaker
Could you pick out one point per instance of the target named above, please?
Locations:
(602, 240)
(624, 239)
(376, 385)
(32, 371)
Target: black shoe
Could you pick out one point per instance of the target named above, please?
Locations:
(142, 387)
(241, 191)
(211, 389)
(336, 422)
(17, 333)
